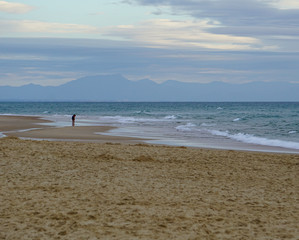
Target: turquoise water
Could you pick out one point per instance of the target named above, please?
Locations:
(261, 126)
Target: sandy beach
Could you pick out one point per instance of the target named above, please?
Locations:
(120, 188)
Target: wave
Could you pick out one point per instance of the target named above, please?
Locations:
(120, 119)
(248, 138)
(128, 119)
(2, 135)
(236, 119)
(185, 128)
(170, 117)
(145, 112)
(207, 124)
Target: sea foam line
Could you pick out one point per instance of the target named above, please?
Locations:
(185, 128)
(2, 135)
(248, 138)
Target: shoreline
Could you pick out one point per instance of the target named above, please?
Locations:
(39, 128)
(29, 127)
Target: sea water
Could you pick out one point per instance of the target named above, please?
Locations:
(262, 126)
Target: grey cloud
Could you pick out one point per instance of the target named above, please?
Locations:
(233, 12)
(256, 30)
(250, 17)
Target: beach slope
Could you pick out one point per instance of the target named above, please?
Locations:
(79, 190)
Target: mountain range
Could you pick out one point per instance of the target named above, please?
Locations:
(118, 88)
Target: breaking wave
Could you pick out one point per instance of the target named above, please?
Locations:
(171, 117)
(248, 138)
(185, 128)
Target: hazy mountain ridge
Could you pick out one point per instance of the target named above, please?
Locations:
(118, 88)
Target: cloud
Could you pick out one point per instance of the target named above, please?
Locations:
(33, 60)
(38, 77)
(183, 34)
(21, 57)
(31, 26)
(286, 4)
(15, 8)
(258, 19)
(96, 13)
(232, 12)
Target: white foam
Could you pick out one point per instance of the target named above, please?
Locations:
(219, 133)
(28, 130)
(127, 120)
(185, 128)
(8, 114)
(236, 119)
(142, 112)
(2, 135)
(292, 132)
(207, 124)
(170, 117)
(248, 138)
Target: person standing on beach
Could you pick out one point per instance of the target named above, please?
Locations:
(73, 120)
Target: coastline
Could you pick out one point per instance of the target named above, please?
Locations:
(27, 127)
(39, 128)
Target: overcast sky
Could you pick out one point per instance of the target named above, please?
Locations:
(52, 42)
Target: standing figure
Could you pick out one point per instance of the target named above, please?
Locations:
(73, 120)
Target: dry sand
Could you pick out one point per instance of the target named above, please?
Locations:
(79, 190)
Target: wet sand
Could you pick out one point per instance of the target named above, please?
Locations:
(12, 123)
(94, 190)
(11, 126)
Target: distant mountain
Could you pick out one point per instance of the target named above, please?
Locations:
(118, 88)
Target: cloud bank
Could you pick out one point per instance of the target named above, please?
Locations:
(265, 20)
(184, 34)
(32, 26)
(14, 8)
(56, 61)
(255, 25)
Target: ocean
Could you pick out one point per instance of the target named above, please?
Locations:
(257, 126)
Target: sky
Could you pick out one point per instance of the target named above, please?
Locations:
(236, 41)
